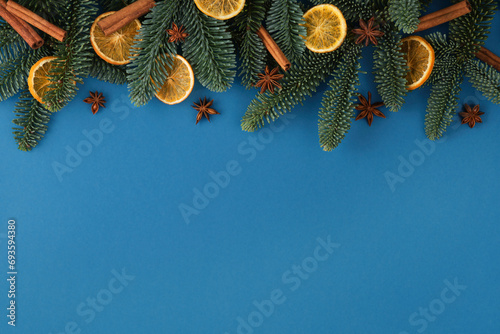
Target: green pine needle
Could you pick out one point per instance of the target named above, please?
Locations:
(209, 49)
(484, 78)
(336, 114)
(284, 23)
(405, 14)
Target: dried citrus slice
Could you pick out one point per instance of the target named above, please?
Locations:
(115, 48)
(179, 83)
(220, 9)
(419, 56)
(326, 28)
(38, 79)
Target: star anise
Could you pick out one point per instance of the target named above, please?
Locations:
(97, 100)
(367, 109)
(177, 34)
(269, 80)
(204, 109)
(367, 32)
(471, 115)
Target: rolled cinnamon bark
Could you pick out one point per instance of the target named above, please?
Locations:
(444, 15)
(274, 49)
(22, 28)
(124, 16)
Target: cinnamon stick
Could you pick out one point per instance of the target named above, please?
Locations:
(22, 28)
(489, 58)
(274, 49)
(443, 15)
(124, 16)
(36, 21)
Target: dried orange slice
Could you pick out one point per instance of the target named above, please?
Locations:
(115, 48)
(326, 28)
(220, 9)
(38, 79)
(179, 83)
(419, 56)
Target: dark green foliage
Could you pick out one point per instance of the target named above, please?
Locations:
(446, 53)
(145, 69)
(283, 23)
(353, 10)
(336, 114)
(443, 101)
(14, 72)
(471, 30)
(405, 14)
(209, 49)
(113, 5)
(31, 120)
(390, 68)
(104, 71)
(484, 78)
(251, 49)
(299, 82)
(74, 55)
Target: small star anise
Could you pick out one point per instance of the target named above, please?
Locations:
(97, 100)
(204, 110)
(367, 32)
(177, 34)
(368, 109)
(471, 115)
(269, 80)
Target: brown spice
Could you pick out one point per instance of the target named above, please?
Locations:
(367, 109)
(204, 109)
(177, 34)
(124, 16)
(367, 32)
(269, 80)
(489, 58)
(97, 100)
(471, 116)
(444, 15)
(274, 49)
(21, 27)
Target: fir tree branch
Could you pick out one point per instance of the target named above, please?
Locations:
(74, 55)
(250, 46)
(114, 5)
(284, 25)
(336, 114)
(31, 120)
(11, 43)
(353, 10)
(102, 70)
(405, 14)
(14, 72)
(484, 78)
(209, 49)
(471, 30)
(390, 69)
(299, 82)
(443, 101)
(146, 71)
(446, 55)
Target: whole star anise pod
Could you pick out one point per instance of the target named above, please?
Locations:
(97, 100)
(471, 115)
(177, 34)
(367, 109)
(269, 80)
(204, 109)
(367, 32)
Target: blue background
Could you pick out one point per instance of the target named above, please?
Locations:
(119, 209)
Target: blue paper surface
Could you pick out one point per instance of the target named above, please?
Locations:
(277, 236)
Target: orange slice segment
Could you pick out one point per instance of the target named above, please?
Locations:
(179, 83)
(38, 79)
(115, 48)
(326, 28)
(220, 9)
(419, 56)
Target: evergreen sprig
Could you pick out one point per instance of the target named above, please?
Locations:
(209, 49)
(31, 120)
(299, 82)
(471, 30)
(74, 55)
(284, 23)
(102, 70)
(484, 78)
(353, 10)
(146, 70)
(405, 14)
(337, 110)
(390, 68)
(251, 49)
